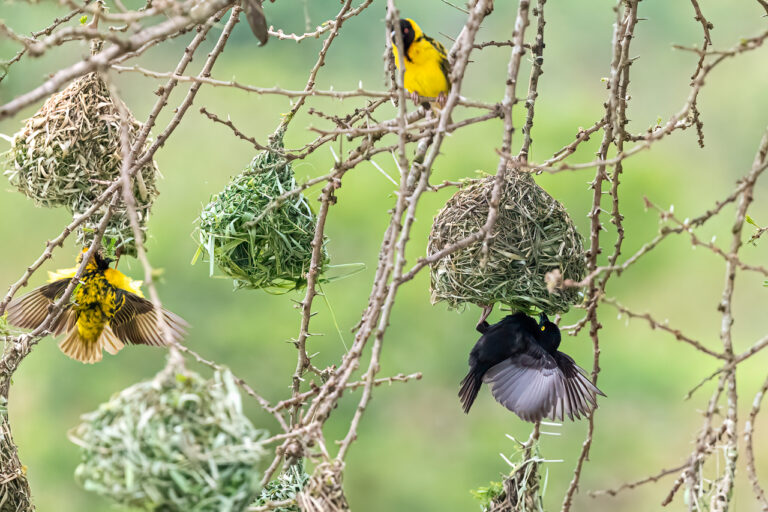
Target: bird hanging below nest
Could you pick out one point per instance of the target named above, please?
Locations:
(519, 359)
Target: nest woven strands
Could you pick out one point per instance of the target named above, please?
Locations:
(69, 152)
(254, 240)
(15, 494)
(285, 487)
(176, 445)
(324, 491)
(532, 236)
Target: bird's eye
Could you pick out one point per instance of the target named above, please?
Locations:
(543, 327)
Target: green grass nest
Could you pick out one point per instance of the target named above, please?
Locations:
(533, 235)
(69, 152)
(285, 487)
(173, 445)
(257, 246)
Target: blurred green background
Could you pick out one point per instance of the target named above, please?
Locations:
(416, 449)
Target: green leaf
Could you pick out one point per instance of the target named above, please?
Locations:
(486, 495)
(83, 19)
(750, 220)
(4, 331)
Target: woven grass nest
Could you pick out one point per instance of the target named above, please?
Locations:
(533, 235)
(69, 152)
(257, 246)
(177, 444)
(15, 495)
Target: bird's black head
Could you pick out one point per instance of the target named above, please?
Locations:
(549, 334)
(408, 32)
(102, 263)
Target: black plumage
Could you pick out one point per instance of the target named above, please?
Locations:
(519, 360)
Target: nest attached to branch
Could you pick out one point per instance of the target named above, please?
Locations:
(286, 486)
(69, 152)
(255, 242)
(15, 495)
(522, 490)
(532, 236)
(178, 443)
(324, 492)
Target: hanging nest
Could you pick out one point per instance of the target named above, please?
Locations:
(119, 233)
(522, 488)
(520, 491)
(15, 495)
(257, 246)
(285, 487)
(324, 492)
(532, 236)
(173, 444)
(69, 152)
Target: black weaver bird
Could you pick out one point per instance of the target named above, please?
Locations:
(426, 64)
(519, 359)
(106, 311)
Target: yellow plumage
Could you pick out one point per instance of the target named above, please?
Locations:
(426, 63)
(115, 277)
(107, 310)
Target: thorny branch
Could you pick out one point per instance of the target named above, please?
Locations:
(315, 392)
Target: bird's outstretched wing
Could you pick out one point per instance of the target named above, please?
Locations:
(580, 395)
(528, 384)
(536, 385)
(137, 322)
(30, 310)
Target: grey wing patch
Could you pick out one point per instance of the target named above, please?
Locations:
(30, 311)
(137, 322)
(580, 396)
(528, 384)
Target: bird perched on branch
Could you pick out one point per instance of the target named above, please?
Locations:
(427, 68)
(107, 310)
(519, 359)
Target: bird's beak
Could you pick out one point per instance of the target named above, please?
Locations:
(543, 318)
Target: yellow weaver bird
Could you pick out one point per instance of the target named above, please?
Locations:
(107, 311)
(426, 64)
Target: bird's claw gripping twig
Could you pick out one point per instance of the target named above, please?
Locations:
(442, 99)
(482, 325)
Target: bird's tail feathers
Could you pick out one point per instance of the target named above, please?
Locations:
(75, 347)
(470, 386)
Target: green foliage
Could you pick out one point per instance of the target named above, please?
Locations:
(256, 245)
(176, 444)
(487, 495)
(4, 330)
(284, 487)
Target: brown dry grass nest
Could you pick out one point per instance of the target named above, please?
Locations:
(532, 236)
(69, 152)
(14, 489)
